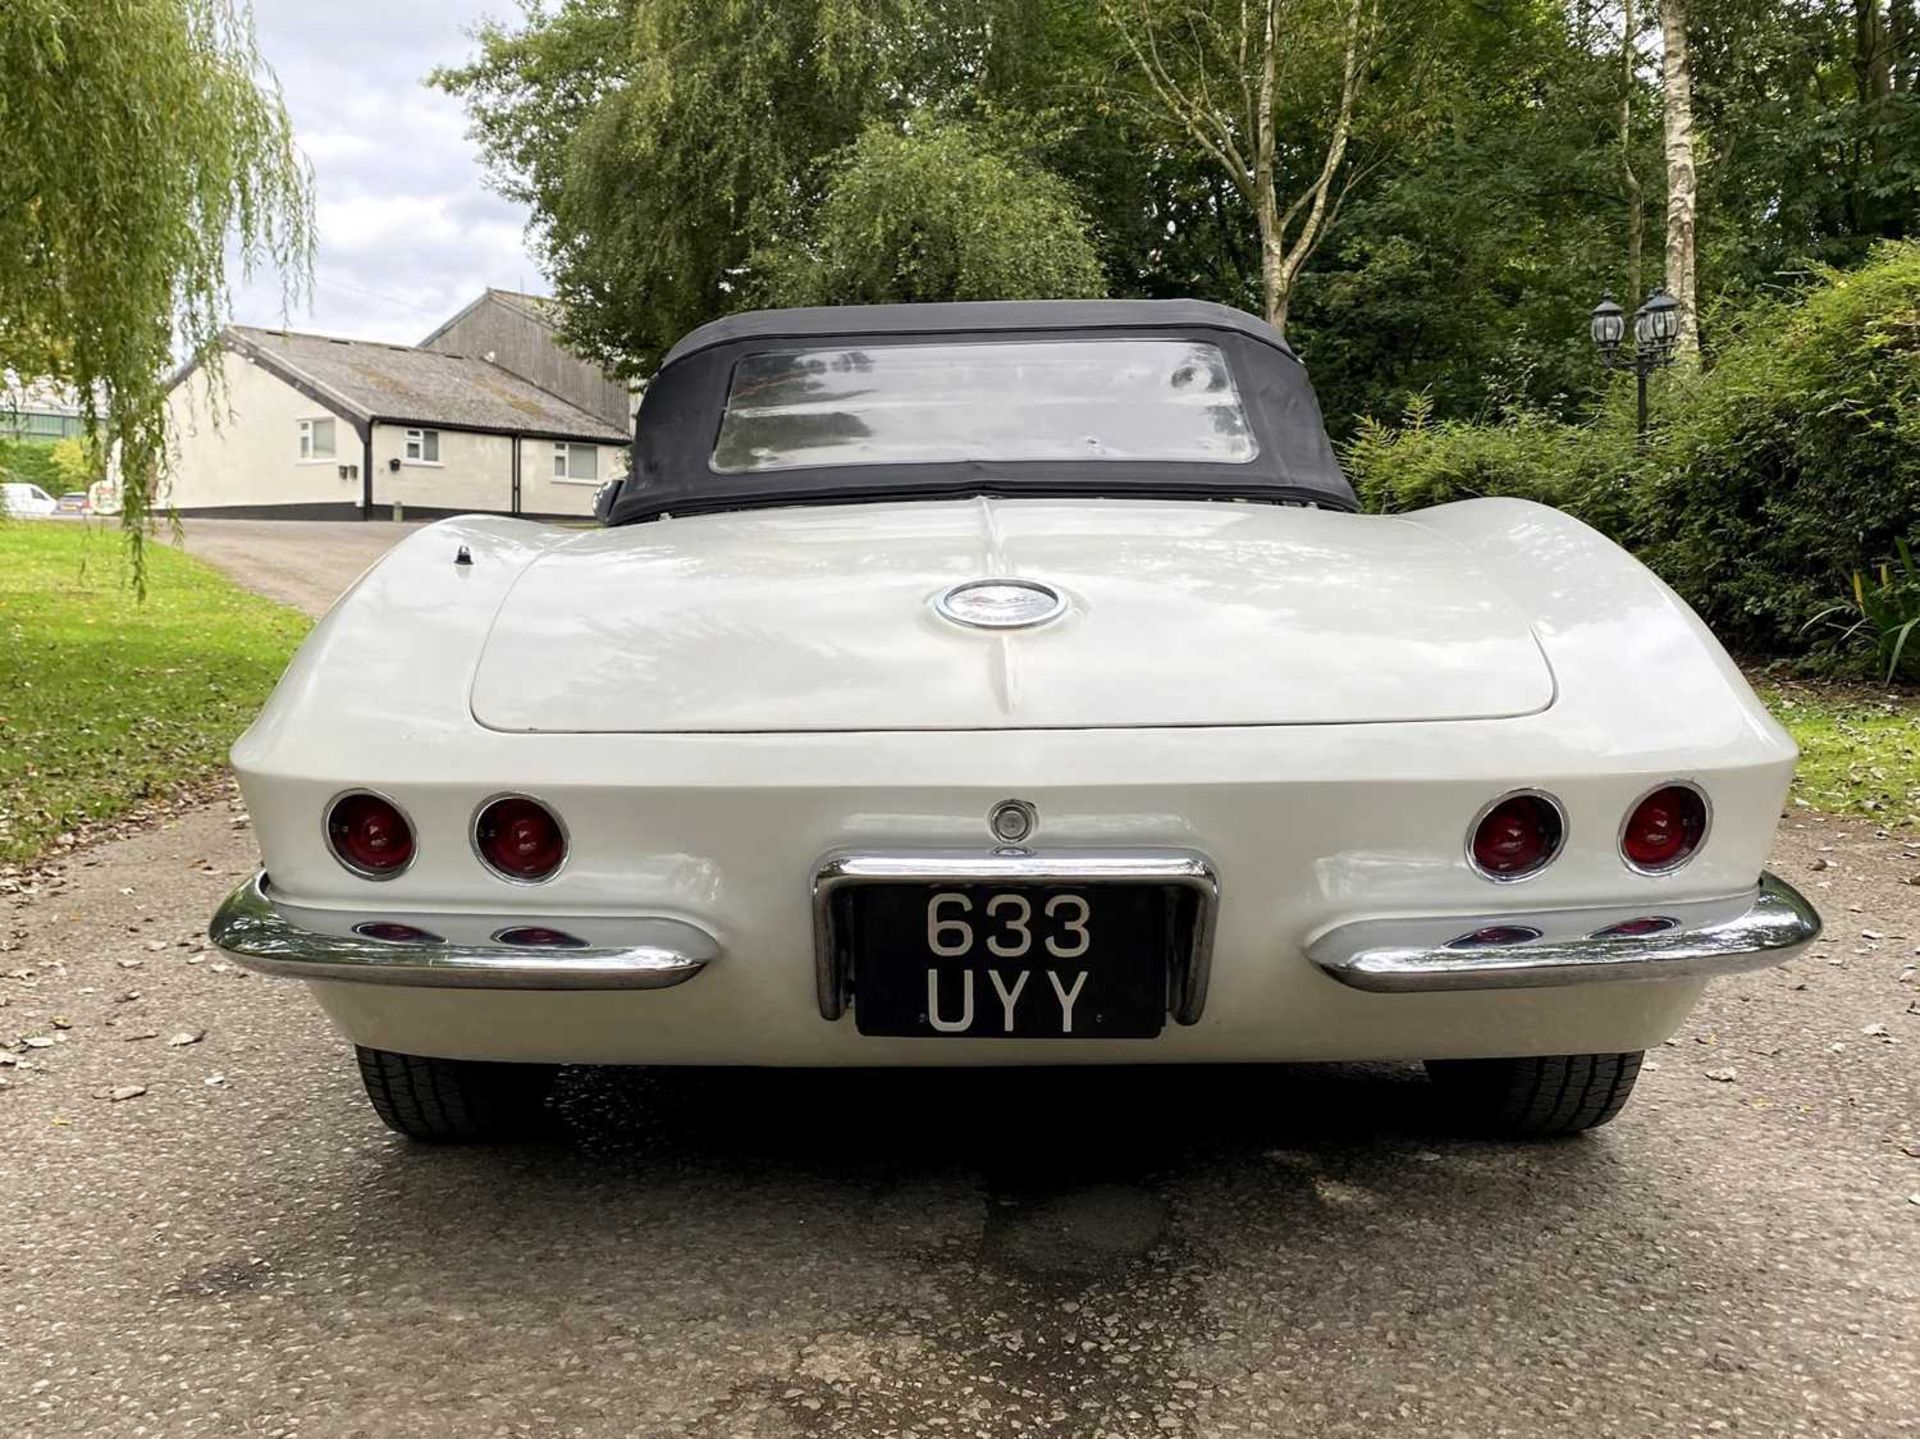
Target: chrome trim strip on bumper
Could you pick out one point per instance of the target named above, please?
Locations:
(254, 931)
(1758, 929)
(1185, 869)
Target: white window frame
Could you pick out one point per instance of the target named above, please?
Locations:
(563, 472)
(310, 454)
(416, 446)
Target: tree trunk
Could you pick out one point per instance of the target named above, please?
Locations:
(1873, 73)
(1274, 289)
(1872, 53)
(1900, 41)
(1636, 214)
(1677, 104)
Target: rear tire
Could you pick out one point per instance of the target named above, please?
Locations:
(453, 1101)
(1535, 1098)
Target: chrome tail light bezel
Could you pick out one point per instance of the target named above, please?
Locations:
(479, 849)
(1556, 847)
(1685, 858)
(379, 876)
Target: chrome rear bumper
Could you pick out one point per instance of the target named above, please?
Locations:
(1751, 931)
(263, 936)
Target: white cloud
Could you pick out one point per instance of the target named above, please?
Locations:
(407, 232)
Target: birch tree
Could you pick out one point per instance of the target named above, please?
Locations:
(1267, 90)
(1629, 83)
(1682, 191)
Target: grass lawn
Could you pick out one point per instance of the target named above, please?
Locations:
(106, 702)
(1859, 747)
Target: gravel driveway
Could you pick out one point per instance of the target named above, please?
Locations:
(204, 1230)
(238, 1247)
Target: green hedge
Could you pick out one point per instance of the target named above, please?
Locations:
(30, 462)
(1420, 463)
(1772, 475)
(1795, 461)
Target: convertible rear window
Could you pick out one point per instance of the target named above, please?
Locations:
(1034, 400)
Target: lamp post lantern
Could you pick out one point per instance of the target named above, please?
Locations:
(1656, 331)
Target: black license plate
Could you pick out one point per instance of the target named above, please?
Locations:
(992, 961)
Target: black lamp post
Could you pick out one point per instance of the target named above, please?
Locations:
(1656, 330)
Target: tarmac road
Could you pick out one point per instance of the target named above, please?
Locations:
(239, 1248)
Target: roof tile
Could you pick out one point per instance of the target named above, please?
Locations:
(402, 384)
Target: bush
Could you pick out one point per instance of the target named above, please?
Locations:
(77, 462)
(1575, 468)
(29, 462)
(1885, 613)
(1795, 461)
(1771, 478)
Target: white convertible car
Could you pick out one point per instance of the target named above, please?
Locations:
(1008, 684)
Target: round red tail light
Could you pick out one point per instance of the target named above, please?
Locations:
(1664, 829)
(520, 838)
(1517, 836)
(369, 835)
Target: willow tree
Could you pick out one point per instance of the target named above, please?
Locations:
(147, 151)
(934, 211)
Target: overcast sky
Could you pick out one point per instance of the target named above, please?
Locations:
(407, 231)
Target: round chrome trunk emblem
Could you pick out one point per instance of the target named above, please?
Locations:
(1000, 604)
(1012, 820)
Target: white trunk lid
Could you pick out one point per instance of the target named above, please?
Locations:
(821, 618)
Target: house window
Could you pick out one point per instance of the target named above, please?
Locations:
(316, 439)
(423, 446)
(576, 462)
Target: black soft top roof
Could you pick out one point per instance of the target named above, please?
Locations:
(977, 317)
(681, 412)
